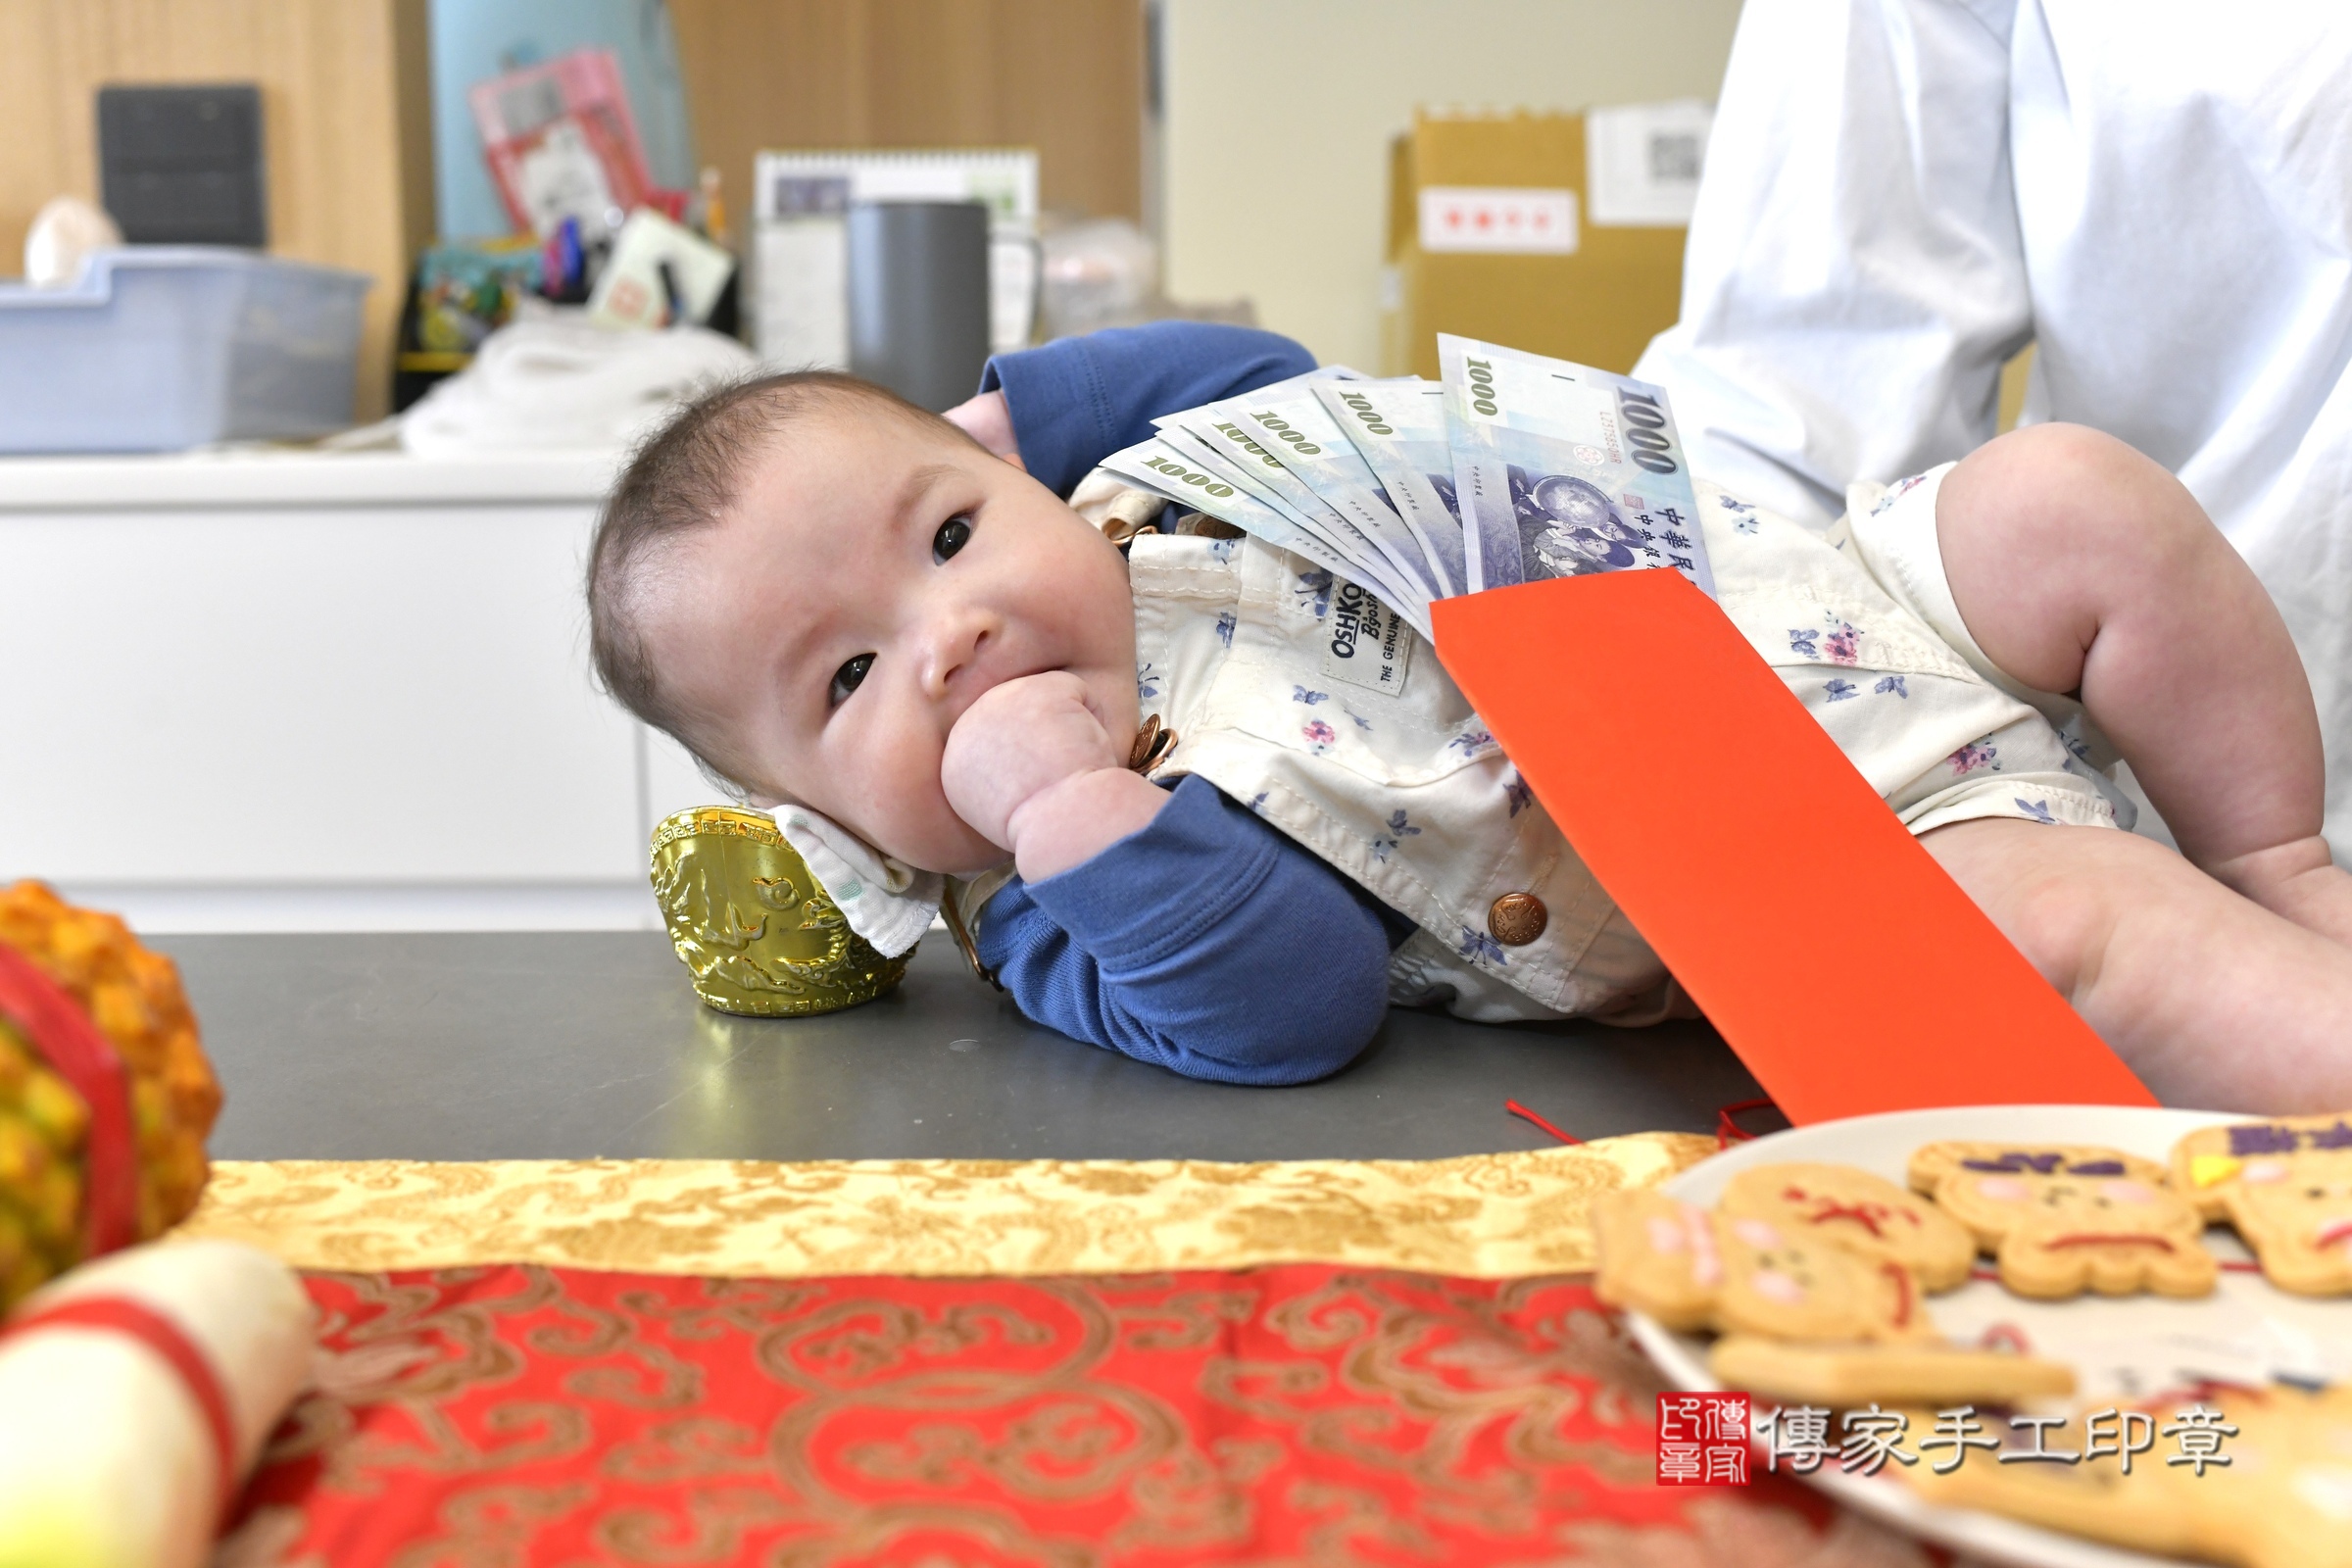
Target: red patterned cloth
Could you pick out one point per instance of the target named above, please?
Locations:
(531, 1416)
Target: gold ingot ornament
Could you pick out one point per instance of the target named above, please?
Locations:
(753, 925)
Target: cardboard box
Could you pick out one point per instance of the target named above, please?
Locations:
(1477, 243)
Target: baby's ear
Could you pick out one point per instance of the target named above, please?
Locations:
(1657, 1256)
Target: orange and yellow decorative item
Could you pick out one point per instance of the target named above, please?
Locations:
(753, 925)
(106, 1097)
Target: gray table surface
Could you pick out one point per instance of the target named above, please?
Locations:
(571, 1044)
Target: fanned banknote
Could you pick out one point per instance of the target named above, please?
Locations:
(1301, 433)
(1513, 466)
(1235, 439)
(1398, 426)
(1238, 461)
(1236, 466)
(1561, 470)
(1166, 471)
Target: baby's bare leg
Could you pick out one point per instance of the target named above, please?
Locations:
(2214, 1001)
(2082, 566)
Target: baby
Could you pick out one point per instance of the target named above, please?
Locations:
(894, 619)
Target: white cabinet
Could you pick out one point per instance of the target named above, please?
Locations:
(318, 691)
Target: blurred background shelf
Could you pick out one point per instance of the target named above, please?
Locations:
(316, 691)
(347, 128)
(290, 689)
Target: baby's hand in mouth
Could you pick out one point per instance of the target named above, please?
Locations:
(1031, 767)
(1021, 738)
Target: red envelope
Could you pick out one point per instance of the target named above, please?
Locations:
(1832, 951)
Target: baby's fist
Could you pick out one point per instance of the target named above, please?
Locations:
(1020, 739)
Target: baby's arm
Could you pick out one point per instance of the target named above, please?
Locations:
(1076, 400)
(1176, 929)
(1207, 944)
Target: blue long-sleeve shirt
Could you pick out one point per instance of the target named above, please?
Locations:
(1206, 942)
(1077, 400)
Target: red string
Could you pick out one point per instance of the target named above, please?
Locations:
(1728, 1130)
(1519, 1111)
(144, 1324)
(63, 1035)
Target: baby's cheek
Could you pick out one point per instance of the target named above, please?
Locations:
(882, 784)
(930, 836)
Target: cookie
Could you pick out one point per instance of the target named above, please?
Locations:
(1843, 1376)
(2061, 1219)
(2139, 1512)
(2285, 1185)
(1691, 1269)
(1932, 1162)
(1656, 1256)
(2284, 1499)
(1858, 1211)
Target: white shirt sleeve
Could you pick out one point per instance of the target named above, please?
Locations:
(1854, 278)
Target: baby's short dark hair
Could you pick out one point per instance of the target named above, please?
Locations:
(685, 478)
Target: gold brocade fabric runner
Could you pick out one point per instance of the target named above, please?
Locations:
(1482, 1216)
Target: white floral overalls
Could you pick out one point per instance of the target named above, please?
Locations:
(1303, 698)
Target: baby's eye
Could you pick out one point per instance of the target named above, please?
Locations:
(847, 678)
(954, 534)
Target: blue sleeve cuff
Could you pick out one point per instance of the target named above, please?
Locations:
(1206, 942)
(1077, 399)
(1154, 894)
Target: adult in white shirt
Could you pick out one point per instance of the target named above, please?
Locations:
(1900, 194)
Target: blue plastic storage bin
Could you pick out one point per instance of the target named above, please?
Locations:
(159, 347)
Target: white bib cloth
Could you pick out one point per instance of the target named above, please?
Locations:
(887, 901)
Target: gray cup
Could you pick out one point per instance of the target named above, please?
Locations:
(918, 298)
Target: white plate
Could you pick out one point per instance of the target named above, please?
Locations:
(2117, 1347)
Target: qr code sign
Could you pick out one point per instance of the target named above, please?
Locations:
(1702, 1439)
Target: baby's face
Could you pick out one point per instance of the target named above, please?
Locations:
(871, 582)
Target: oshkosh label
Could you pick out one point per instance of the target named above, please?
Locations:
(1369, 644)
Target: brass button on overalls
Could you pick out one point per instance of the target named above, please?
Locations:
(1517, 918)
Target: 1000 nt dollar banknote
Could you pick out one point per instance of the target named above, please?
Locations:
(1305, 439)
(1562, 469)
(1399, 425)
(1166, 470)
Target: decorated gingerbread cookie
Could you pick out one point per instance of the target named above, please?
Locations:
(1903, 1372)
(2283, 1500)
(1858, 1211)
(1932, 1162)
(1691, 1269)
(2061, 1218)
(2287, 1186)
